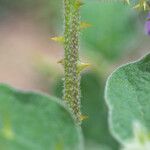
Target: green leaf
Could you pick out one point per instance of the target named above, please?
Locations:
(114, 29)
(95, 127)
(32, 121)
(128, 98)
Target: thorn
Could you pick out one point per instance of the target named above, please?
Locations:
(82, 66)
(78, 4)
(61, 62)
(83, 117)
(84, 25)
(59, 39)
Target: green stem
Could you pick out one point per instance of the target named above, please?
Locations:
(71, 46)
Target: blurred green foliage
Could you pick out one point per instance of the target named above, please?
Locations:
(95, 128)
(114, 30)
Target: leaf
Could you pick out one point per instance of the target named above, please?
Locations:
(32, 121)
(95, 127)
(128, 97)
(112, 34)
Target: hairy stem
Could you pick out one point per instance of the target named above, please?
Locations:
(71, 46)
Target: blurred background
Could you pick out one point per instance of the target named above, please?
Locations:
(28, 57)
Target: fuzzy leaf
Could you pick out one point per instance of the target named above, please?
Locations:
(32, 121)
(128, 97)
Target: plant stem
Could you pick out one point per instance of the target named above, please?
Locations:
(71, 46)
